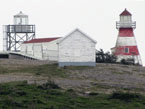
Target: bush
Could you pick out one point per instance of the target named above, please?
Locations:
(128, 61)
(123, 61)
(127, 97)
(93, 93)
(21, 93)
(50, 84)
(23, 83)
(102, 57)
(70, 90)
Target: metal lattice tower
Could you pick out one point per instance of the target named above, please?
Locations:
(15, 35)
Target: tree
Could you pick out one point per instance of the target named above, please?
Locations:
(102, 57)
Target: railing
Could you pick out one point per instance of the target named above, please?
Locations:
(125, 25)
(20, 28)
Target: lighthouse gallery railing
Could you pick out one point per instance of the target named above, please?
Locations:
(125, 25)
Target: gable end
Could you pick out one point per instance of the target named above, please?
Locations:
(79, 32)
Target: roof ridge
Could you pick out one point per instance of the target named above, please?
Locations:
(77, 29)
(39, 40)
(125, 13)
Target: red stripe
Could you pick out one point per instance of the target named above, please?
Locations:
(39, 40)
(126, 32)
(133, 50)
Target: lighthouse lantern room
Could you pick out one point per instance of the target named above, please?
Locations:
(126, 20)
(14, 35)
(20, 19)
(126, 46)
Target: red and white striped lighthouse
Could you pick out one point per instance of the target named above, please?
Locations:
(126, 46)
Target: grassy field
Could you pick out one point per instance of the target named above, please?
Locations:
(105, 86)
(20, 95)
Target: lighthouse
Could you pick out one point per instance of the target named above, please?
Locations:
(14, 35)
(126, 46)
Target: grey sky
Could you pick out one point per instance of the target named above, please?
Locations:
(96, 18)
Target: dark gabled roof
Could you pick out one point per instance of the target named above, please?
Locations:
(39, 40)
(125, 13)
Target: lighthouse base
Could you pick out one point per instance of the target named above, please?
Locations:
(137, 59)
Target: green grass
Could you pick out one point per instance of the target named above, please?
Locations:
(4, 70)
(20, 95)
(47, 69)
(78, 67)
(44, 70)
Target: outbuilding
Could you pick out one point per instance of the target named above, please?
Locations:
(41, 48)
(76, 49)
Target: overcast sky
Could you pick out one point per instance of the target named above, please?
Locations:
(96, 18)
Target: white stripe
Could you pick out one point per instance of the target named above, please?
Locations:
(137, 58)
(126, 41)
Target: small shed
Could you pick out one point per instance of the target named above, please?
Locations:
(76, 49)
(41, 48)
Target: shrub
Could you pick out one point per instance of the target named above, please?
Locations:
(102, 57)
(123, 61)
(50, 84)
(21, 93)
(127, 97)
(93, 93)
(70, 90)
(23, 83)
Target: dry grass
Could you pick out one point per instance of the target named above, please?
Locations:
(111, 76)
(104, 78)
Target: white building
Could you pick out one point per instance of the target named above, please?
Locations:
(76, 49)
(42, 49)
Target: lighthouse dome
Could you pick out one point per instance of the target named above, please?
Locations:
(20, 19)
(125, 13)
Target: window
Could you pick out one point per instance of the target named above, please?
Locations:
(125, 19)
(126, 50)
